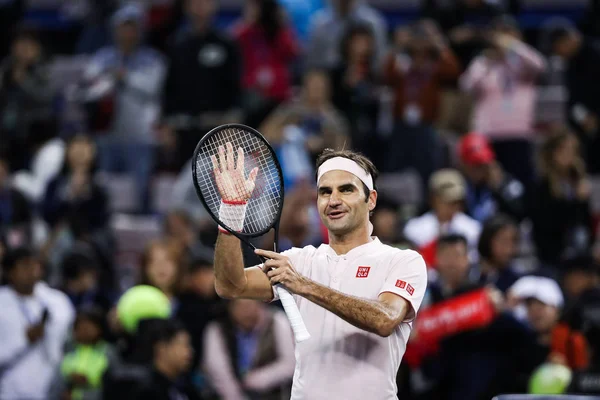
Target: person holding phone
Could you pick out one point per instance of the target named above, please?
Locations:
(34, 323)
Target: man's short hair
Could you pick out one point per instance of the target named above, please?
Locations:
(357, 157)
(450, 240)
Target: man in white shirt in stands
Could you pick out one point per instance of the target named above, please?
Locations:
(34, 325)
(358, 297)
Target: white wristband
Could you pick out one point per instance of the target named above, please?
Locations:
(232, 214)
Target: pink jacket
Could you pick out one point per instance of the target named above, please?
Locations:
(504, 92)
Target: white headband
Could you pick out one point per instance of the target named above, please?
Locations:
(345, 164)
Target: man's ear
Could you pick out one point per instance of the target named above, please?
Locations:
(372, 202)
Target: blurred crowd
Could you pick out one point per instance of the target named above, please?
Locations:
(486, 136)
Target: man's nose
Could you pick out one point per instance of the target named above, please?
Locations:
(334, 199)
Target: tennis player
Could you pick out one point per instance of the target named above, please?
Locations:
(358, 297)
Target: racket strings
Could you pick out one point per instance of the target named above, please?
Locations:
(263, 205)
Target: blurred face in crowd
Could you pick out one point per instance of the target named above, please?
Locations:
(162, 268)
(476, 173)
(453, 263)
(542, 317)
(567, 45)
(360, 47)
(419, 51)
(87, 332)
(201, 11)
(576, 282)
(504, 246)
(445, 210)
(180, 227)
(316, 87)
(25, 274)
(341, 202)
(202, 281)
(176, 354)
(565, 153)
(245, 313)
(26, 51)
(81, 153)
(128, 36)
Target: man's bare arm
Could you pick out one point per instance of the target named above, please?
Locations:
(232, 280)
(379, 316)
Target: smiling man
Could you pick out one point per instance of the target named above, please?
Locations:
(358, 297)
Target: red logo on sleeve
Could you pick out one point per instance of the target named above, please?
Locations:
(363, 272)
(400, 284)
(410, 289)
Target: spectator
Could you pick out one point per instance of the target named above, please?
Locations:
(268, 48)
(497, 251)
(15, 211)
(171, 357)
(74, 193)
(447, 188)
(580, 53)
(416, 79)
(321, 124)
(355, 88)
(329, 25)
(80, 280)
(502, 81)
(490, 189)
(130, 76)
(162, 267)
(34, 324)
(83, 367)
(452, 269)
(386, 221)
(25, 94)
(251, 353)
(559, 202)
(203, 81)
(199, 305)
(464, 22)
(543, 301)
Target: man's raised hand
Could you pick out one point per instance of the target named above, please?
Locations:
(230, 175)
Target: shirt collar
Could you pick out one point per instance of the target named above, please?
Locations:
(355, 252)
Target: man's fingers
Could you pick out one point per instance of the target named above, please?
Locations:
(215, 163)
(222, 158)
(252, 175)
(269, 254)
(240, 160)
(230, 157)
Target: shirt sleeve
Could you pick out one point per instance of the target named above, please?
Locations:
(408, 279)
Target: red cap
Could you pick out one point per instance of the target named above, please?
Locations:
(475, 149)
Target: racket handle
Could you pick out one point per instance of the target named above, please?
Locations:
(291, 309)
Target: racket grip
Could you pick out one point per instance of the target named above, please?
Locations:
(291, 309)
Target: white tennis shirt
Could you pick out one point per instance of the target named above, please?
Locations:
(341, 361)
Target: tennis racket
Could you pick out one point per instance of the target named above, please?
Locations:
(252, 159)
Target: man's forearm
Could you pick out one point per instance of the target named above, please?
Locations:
(229, 266)
(370, 315)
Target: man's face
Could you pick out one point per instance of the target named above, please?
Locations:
(453, 263)
(3, 173)
(25, 275)
(341, 202)
(26, 50)
(343, 6)
(128, 35)
(178, 352)
(476, 173)
(542, 317)
(445, 210)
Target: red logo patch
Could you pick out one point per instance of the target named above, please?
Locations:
(363, 272)
(410, 289)
(400, 284)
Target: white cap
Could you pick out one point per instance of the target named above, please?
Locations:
(540, 288)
